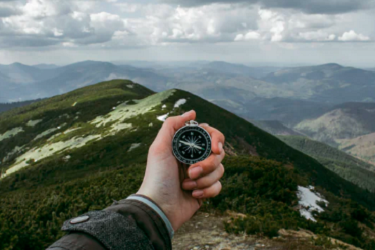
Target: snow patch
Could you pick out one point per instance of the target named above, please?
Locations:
(164, 106)
(120, 126)
(38, 154)
(125, 111)
(70, 130)
(179, 103)
(67, 158)
(64, 116)
(49, 131)
(32, 123)
(134, 146)
(11, 133)
(308, 202)
(163, 117)
(13, 152)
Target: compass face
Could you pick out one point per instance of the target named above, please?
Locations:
(191, 144)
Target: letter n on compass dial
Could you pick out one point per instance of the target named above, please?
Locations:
(191, 145)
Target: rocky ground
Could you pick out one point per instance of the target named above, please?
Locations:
(206, 231)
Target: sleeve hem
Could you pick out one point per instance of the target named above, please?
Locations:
(147, 201)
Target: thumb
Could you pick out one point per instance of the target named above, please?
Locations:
(171, 125)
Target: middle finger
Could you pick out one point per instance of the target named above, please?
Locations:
(207, 166)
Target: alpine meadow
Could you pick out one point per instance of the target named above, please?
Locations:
(187, 125)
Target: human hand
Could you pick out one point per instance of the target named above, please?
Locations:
(180, 200)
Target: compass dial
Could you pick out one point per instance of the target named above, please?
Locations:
(191, 144)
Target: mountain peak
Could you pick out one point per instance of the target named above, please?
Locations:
(331, 65)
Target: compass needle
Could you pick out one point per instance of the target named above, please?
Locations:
(191, 143)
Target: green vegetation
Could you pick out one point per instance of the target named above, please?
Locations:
(346, 166)
(262, 172)
(269, 201)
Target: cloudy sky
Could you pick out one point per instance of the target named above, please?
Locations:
(263, 32)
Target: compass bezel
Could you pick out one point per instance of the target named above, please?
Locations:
(198, 129)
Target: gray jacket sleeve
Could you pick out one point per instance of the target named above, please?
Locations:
(133, 223)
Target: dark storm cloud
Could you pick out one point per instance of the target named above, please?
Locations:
(307, 6)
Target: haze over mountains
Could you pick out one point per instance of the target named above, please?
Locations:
(328, 103)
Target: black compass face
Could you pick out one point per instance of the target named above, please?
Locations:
(191, 144)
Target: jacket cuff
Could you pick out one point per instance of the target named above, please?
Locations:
(149, 221)
(111, 229)
(156, 208)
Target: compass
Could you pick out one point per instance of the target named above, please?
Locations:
(191, 143)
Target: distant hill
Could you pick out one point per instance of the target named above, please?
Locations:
(344, 121)
(325, 84)
(239, 69)
(78, 151)
(45, 66)
(331, 83)
(7, 106)
(287, 110)
(31, 82)
(362, 147)
(348, 167)
(274, 127)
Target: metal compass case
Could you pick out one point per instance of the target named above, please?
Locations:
(191, 143)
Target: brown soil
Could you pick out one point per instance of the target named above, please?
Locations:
(206, 231)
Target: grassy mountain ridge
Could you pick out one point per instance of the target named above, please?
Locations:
(97, 142)
(348, 167)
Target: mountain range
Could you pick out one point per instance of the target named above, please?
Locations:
(322, 102)
(75, 152)
(328, 84)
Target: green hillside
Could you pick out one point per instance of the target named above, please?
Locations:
(76, 152)
(346, 166)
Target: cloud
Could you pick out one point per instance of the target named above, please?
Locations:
(119, 24)
(307, 6)
(251, 35)
(350, 36)
(8, 11)
(316, 36)
(213, 23)
(45, 23)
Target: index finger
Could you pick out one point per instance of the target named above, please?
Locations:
(218, 139)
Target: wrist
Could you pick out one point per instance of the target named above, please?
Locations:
(161, 204)
(156, 208)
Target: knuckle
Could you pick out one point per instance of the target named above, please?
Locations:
(223, 153)
(220, 186)
(168, 121)
(221, 170)
(202, 183)
(218, 190)
(222, 136)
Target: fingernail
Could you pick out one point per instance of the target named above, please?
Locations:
(190, 184)
(194, 173)
(187, 113)
(220, 147)
(204, 124)
(197, 193)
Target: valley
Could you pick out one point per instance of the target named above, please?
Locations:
(78, 151)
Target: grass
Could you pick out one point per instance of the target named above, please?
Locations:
(261, 181)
